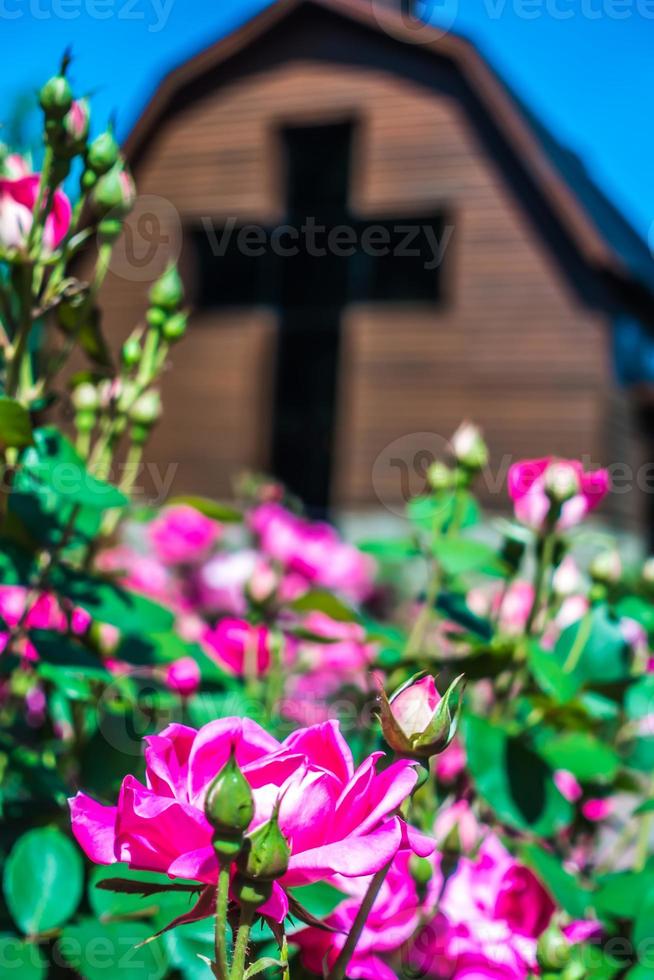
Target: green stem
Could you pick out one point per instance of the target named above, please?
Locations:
(579, 645)
(22, 340)
(542, 578)
(416, 638)
(342, 961)
(242, 940)
(643, 838)
(39, 214)
(222, 899)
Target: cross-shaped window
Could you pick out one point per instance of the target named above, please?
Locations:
(321, 259)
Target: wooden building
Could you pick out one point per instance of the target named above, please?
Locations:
(503, 283)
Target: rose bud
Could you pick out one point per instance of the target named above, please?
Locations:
(56, 97)
(417, 721)
(146, 410)
(229, 808)
(174, 327)
(606, 568)
(440, 476)
(168, 291)
(561, 482)
(131, 351)
(114, 192)
(264, 857)
(103, 153)
(76, 125)
(469, 448)
(553, 950)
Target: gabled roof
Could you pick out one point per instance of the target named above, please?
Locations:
(602, 237)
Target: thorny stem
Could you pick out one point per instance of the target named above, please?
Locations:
(341, 963)
(542, 576)
(241, 945)
(222, 898)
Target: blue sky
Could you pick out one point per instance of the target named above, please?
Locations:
(585, 66)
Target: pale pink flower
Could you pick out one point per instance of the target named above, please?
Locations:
(449, 765)
(458, 816)
(313, 550)
(240, 647)
(183, 676)
(528, 481)
(17, 201)
(393, 920)
(181, 535)
(567, 785)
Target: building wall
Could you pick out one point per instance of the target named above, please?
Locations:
(511, 347)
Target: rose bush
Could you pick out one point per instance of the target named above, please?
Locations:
(284, 754)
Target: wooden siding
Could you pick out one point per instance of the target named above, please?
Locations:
(511, 347)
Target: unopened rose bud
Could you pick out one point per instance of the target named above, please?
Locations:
(561, 482)
(648, 571)
(229, 808)
(85, 397)
(606, 568)
(102, 153)
(146, 410)
(114, 193)
(567, 578)
(168, 291)
(440, 476)
(417, 721)
(56, 97)
(266, 852)
(553, 950)
(76, 125)
(131, 350)
(174, 327)
(156, 317)
(421, 870)
(469, 447)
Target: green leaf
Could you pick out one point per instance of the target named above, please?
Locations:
(185, 945)
(265, 963)
(15, 424)
(593, 650)
(110, 904)
(42, 880)
(62, 651)
(210, 508)
(434, 513)
(53, 466)
(320, 899)
(549, 674)
(98, 950)
(513, 779)
(459, 556)
(642, 933)
(108, 602)
(391, 550)
(583, 755)
(632, 607)
(320, 600)
(563, 887)
(21, 960)
(621, 895)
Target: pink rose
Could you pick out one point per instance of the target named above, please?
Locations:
(450, 763)
(338, 820)
(183, 676)
(598, 809)
(181, 534)
(531, 483)
(393, 920)
(17, 201)
(312, 550)
(220, 583)
(240, 647)
(458, 817)
(567, 785)
(142, 573)
(490, 916)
